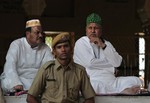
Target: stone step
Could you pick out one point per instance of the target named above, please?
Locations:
(98, 99)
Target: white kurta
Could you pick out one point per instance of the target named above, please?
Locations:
(22, 63)
(100, 65)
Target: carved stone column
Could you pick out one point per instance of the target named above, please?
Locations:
(34, 7)
(147, 8)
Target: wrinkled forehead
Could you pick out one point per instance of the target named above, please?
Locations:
(93, 25)
(36, 28)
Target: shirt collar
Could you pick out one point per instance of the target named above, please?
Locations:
(58, 65)
(28, 45)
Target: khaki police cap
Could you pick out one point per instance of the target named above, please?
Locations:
(62, 37)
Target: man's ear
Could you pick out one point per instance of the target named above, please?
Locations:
(53, 52)
(27, 33)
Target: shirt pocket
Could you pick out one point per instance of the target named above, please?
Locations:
(52, 87)
(73, 91)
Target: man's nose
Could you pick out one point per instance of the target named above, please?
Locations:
(41, 34)
(93, 30)
(62, 48)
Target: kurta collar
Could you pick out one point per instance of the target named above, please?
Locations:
(28, 45)
(26, 42)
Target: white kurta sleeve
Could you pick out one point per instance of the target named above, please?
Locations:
(83, 55)
(10, 71)
(47, 56)
(112, 55)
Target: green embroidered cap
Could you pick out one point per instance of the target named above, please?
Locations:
(93, 18)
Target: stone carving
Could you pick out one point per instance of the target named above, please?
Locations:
(34, 7)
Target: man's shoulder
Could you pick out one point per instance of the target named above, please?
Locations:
(83, 40)
(18, 41)
(107, 42)
(48, 64)
(79, 67)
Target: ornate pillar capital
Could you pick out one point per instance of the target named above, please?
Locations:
(34, 7)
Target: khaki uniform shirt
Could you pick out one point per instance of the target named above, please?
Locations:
(56, 84)
(1, 97)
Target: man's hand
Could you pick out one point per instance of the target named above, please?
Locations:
(98, 41)
(18, 87)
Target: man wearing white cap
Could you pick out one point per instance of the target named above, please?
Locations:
(24, 58)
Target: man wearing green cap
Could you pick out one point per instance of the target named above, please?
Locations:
(100, 59)
(60, 80)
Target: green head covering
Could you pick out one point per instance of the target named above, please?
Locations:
(93, 18)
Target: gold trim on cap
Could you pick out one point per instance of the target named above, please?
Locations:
(33, 22)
